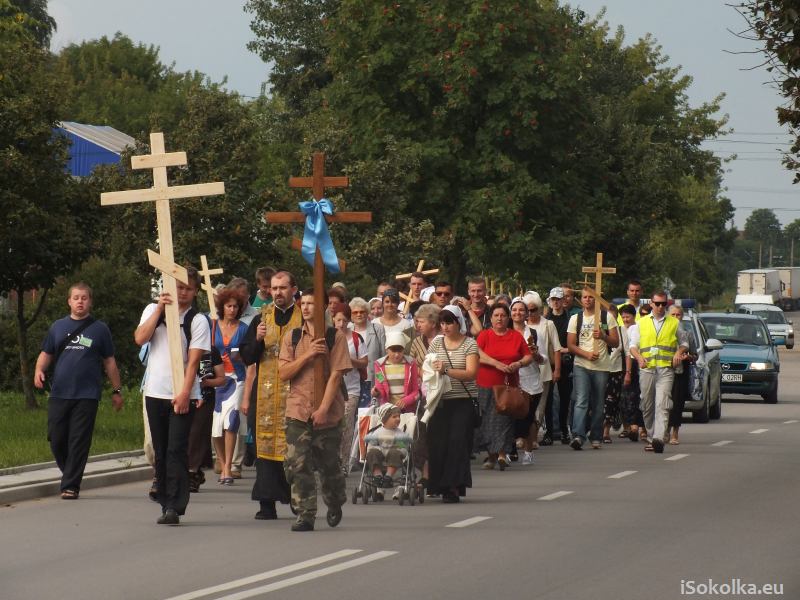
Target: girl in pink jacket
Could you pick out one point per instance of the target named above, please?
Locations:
(397, 375)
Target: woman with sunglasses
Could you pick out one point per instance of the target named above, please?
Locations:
(451, 426)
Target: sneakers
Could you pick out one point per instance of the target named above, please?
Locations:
(301, 525)
(170, 517)
(564, 437)
(334, 516)
(576, 443)
(527, 458)
(596, 445)
(387, 481)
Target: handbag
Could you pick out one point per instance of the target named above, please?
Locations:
(510, 401)
(477, 414)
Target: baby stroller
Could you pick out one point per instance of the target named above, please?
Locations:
(405, 478)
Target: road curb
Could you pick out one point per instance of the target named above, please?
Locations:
(52, 487)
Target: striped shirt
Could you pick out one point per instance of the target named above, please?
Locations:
(396, 378)
(458, 360)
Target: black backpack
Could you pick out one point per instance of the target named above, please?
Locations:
(603, 323)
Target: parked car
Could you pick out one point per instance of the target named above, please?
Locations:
(780, 328)
(705, 399)
(749, 358)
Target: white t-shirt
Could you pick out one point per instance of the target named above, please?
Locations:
(586, 342)
(547, 340)
(158, 378)
(618, 353)
(529, 378)
(352, 379)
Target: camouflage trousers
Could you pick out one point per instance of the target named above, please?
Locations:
(309, 450)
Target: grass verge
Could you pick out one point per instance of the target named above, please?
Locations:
(23, 432)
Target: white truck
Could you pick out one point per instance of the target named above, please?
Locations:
(790, 278)
(758, 286)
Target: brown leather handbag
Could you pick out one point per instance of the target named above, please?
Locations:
(510, 401)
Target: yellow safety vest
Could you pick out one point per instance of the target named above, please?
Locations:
(619, 315)
(658, 348)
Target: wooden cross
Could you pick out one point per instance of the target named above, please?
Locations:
(318, 182)
(161, 193)
(403, 276)
(590, 290)
(598, 271)
(206, 274)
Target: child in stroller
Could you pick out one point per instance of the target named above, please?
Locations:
(387, 447)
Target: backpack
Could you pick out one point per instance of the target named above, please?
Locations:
(144, 353)
(330, 339)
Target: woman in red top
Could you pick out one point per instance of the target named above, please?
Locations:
(503, 353)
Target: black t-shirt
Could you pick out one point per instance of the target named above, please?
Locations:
(561, 322)
(79, 370)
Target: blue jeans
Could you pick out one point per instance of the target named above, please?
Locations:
(590, 392)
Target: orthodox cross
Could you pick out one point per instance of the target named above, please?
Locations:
(161, 193)
(598, 271)
(206, 273)
(419, 268)
(316, 214)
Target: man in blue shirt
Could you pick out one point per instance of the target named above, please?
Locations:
(80, 349)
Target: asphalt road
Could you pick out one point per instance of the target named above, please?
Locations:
(608, 524)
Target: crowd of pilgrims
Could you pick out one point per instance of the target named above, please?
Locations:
(581, 382)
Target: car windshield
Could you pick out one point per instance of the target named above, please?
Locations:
(772, 317)
(737, 331)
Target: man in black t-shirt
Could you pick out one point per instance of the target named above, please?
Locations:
(79, 348)
(560, 318)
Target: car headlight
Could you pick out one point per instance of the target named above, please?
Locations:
(761, 366)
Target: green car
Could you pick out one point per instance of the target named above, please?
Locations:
(749, 358)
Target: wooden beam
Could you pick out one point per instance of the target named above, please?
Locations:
(308, 182)
(340, 217)
(153, 161)
(167, 193)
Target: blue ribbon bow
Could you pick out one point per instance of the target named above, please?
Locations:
(316, 234)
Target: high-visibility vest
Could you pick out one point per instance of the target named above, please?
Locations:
(619, 314)
(658, 348)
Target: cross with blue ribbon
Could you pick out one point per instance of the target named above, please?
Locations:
(317, 246)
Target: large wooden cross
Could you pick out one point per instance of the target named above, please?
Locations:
(161, 193)
(205, 274)
(317, 183)
(598, 271)
(403, 276)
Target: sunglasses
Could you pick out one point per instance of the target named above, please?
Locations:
(439, 293)
(659, 303)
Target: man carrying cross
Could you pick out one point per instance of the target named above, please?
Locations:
(170, 409)
(590, 343)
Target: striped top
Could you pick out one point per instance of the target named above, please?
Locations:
(396, 378)
(458, 360)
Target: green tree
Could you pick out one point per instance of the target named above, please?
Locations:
(125, 85)
(33, 16)
(763, 226)
(775, 24)
(47, 225)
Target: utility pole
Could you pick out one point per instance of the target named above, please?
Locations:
(770, 256)
(760, 248)
(791, 253)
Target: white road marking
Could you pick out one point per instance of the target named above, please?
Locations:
(759, 430)
(722, 443)
(621, 474)
(266, 575)
(789, 422)
(279, 585)
(677, 457)
(556, 495)
(468, 522)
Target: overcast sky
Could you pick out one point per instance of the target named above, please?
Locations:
(211, 36)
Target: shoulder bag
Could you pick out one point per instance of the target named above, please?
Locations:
(477, 415)
(510, 401)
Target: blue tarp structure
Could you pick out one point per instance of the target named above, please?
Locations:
(93, 145)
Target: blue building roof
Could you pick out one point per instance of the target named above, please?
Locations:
(93, 145)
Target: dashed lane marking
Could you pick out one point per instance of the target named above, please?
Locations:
(266, 575)
(759, 431)
(279, 585)
(621, 474)
(468, 522)
(676, 457)
(722, 443)
(790, 421)
(556, 495)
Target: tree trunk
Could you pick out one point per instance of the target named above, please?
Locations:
(22, 344)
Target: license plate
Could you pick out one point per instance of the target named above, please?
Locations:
(732, 377)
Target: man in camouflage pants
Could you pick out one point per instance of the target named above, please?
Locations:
(314, 431)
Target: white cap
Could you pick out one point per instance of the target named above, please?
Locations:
(396, 338)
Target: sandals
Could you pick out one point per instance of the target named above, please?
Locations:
(623, 434)
(69, 494)
(607, 439)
